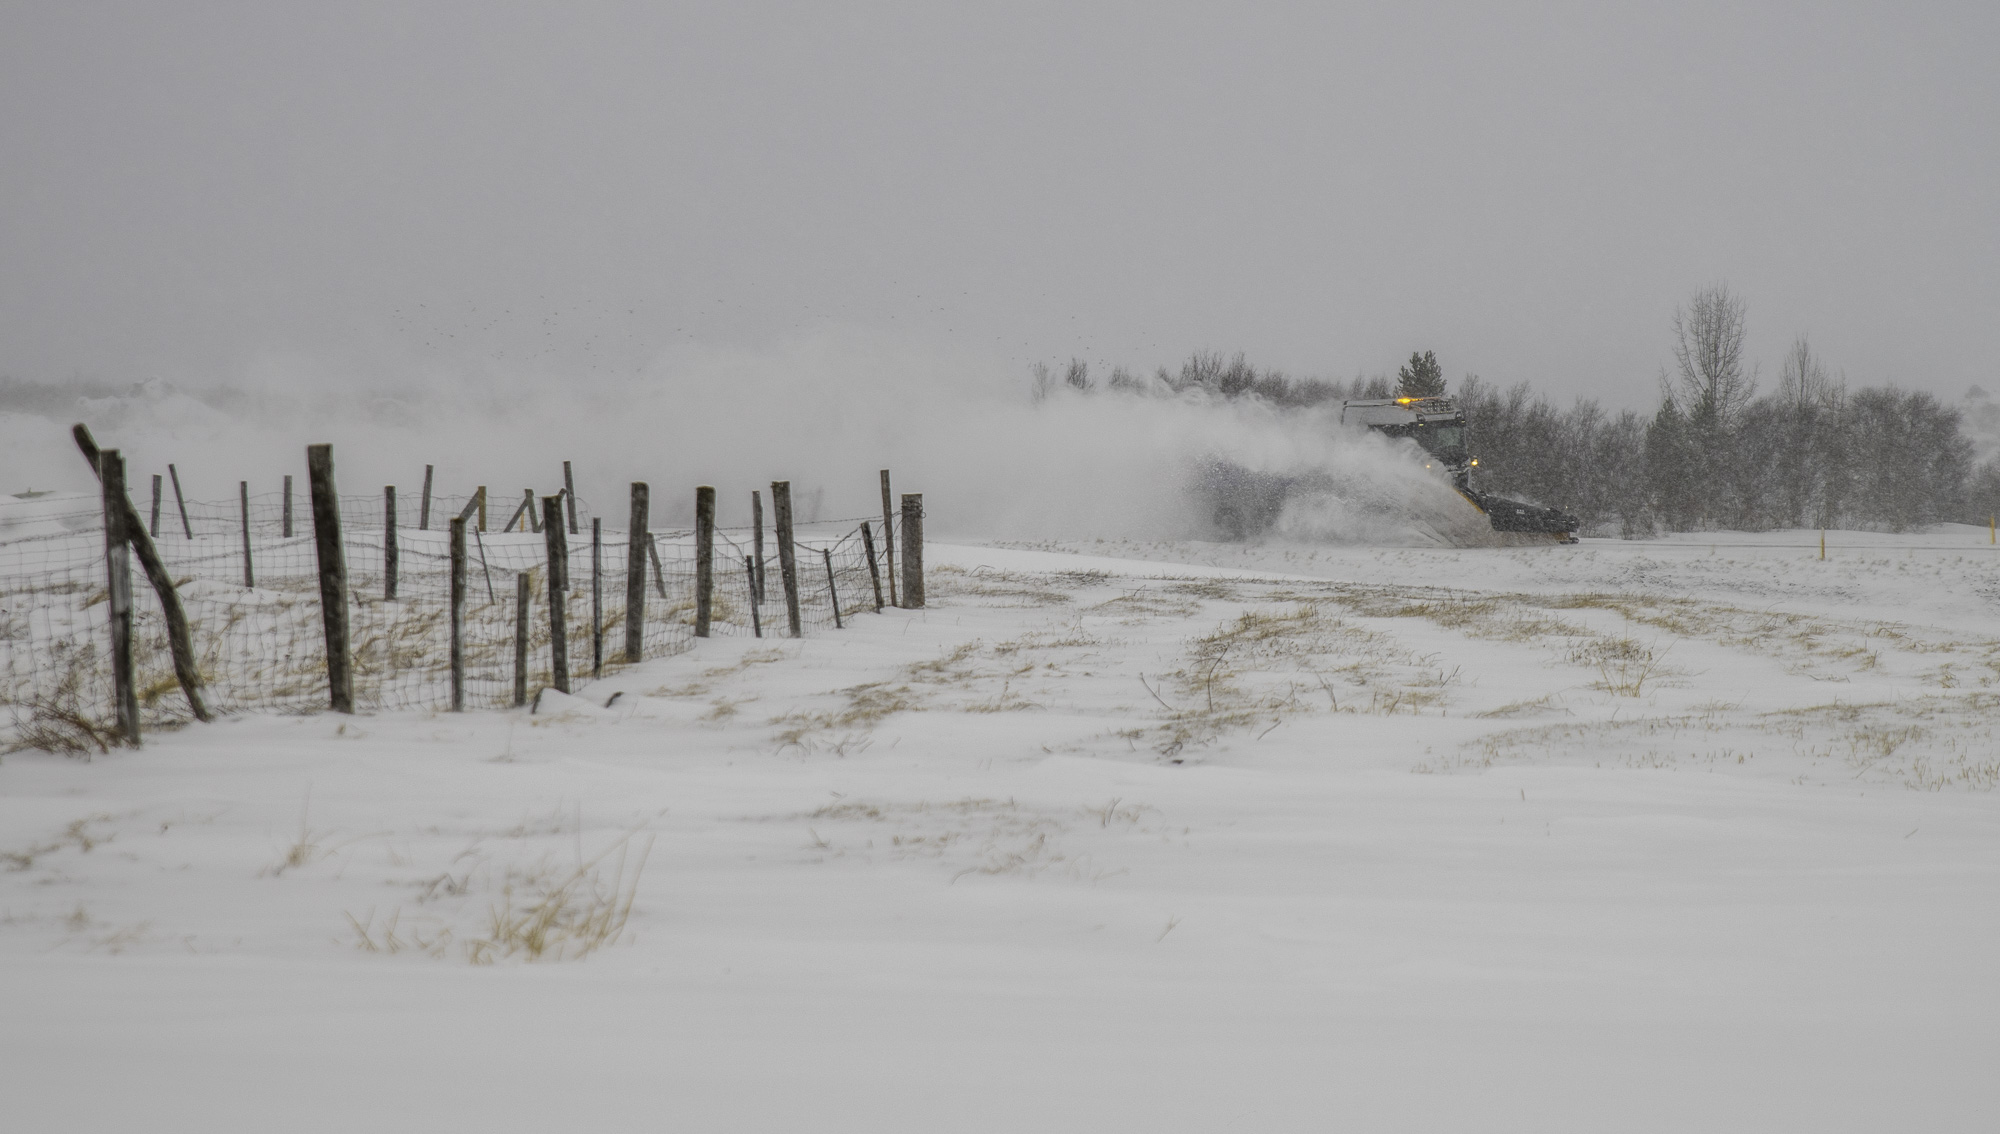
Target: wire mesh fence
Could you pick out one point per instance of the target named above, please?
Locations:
(249, 581)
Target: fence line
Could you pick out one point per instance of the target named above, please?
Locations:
(262, 648)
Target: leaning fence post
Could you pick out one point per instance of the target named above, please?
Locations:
(596, 596)
(659, 577)
(390, 555)
(332, 576)
(153, 529)
(636, 542)
(243, 494)
(788, 568)
(118, 588)
(485, 567)
(288, 506)
(180, 501)
(178, 638)
(832, 594)
(756, 620)
(757, 543)
(522, 596)
(913, 550)
(888, 541)
(558, 549)
(569, 497)
(424, 509)
(704, 558)
(874, 572)
(458, 614)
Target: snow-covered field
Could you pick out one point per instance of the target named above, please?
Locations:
(1692, 834)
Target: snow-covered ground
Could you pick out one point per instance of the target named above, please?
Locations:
(1691, 834)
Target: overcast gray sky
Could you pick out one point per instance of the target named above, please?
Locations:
(194, 190)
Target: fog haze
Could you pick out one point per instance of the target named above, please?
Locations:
(260, 195)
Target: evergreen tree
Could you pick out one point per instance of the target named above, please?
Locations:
(1674, 468)
(1421, 377)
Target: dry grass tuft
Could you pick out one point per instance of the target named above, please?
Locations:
(1624, 665)
(304, 848)
(1018, 590)
(1218, 590)
(704, 684)
(544, 913)
(949, 669)
(1006, 701)
(866, 705)
(987, 837)
(563, 917)
(57, 722)
(1534, 706)
(1137, 606)
(78, 834)
(1267, 664)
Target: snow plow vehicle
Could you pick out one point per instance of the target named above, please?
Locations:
(1248, 503)
(1438, 425)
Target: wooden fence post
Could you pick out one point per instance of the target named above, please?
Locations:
(569, 497)
(180, 501)
(636, 542)
(523, 595)
(332, 576)
(704, 558)
(596, 596)
(522, 512)
(888, 541)
(178, 638)
(832, 593)
(153, 529)
(874, 572)
(390, 554)
(558, 548)
(756, 620)
(288, 506)
(913, 550)
(243, 494)
(479, 498)
(458, 614)
(424, 509)
(659, 578)
(756, 543)
(118, 588)
(485, 568)
(788, 568)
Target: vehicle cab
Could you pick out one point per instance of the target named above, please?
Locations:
(1436, 424)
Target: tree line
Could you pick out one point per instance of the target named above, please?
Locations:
(1715, 453)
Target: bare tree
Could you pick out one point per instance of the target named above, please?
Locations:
(1203, 370)
(1711, 388)
(1237, 378)
(1123, 379)
(1804, 380)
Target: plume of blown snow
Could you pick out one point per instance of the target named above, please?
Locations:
(825, 411)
